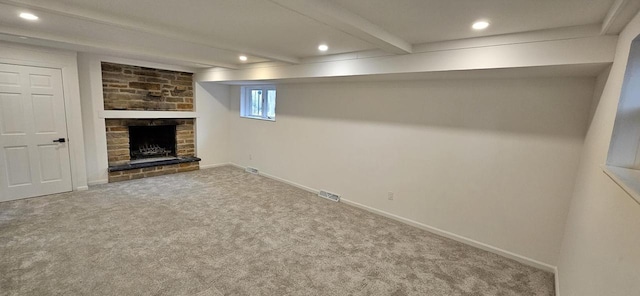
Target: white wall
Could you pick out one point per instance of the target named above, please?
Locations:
(212, 124)
(490, 160)
(600, 252)
(93, 125)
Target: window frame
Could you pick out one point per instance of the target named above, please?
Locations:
(622, 164)
(245, 101)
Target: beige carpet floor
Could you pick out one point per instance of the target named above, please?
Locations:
(226, 232)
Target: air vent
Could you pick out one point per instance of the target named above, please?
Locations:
(329, 195)
(251, 170)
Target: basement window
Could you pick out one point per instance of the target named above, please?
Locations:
(258, 102)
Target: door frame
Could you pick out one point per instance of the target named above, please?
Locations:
(67, 62)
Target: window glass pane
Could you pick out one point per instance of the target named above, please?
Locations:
(256, 102)
(271, 102)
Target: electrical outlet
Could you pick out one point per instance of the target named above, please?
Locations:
(250, 157)
(390, 195)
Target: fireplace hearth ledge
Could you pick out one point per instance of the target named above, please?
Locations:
(126, 167)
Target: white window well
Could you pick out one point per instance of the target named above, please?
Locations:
(623, 160)
(258, 102)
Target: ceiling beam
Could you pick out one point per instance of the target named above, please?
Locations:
(620, 13)
(105, 48)
(348, 22)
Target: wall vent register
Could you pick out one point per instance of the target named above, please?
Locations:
(329, 195)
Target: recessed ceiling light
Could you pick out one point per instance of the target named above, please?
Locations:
(323, 47)
(242, 58)
(28, 16)
(480, 25)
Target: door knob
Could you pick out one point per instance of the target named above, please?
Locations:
(60, 140)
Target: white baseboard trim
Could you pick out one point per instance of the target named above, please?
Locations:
(459, 238)
(557, 280)
(98, 182)
(215, 165)
(237, 165)
(522, 259)
(82, 188)
(294, 184)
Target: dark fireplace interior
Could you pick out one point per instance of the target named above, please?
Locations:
(149, 142)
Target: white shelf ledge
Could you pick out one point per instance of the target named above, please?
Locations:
(627, 179)
(146, 114)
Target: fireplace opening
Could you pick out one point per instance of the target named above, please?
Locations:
(152, 143)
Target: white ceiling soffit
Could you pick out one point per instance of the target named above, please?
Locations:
(582, 70)
(563, 52)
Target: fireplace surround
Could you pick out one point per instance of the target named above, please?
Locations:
(139, 148)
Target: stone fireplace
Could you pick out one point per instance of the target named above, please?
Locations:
(137, 146)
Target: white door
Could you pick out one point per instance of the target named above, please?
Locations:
(34, 153)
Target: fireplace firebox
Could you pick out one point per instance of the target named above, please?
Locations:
(152, 143)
